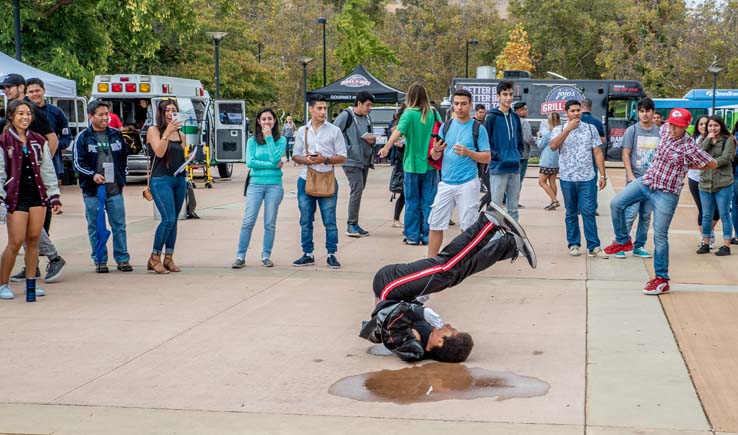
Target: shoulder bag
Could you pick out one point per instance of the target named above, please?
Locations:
(147, 192)
(319, 184)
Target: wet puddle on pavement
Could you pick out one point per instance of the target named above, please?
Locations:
(437, 381)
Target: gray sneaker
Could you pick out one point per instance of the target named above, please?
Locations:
(266, 262)
(21, 276)
(6, 292)
(238, 263)
(54, 270)
(500, 217)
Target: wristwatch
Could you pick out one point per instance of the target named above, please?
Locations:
(603, 176)
(327, 160)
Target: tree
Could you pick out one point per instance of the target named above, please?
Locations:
(644, 41)
(358, 43)
(429, 38)
(516, 54)
(564, 34)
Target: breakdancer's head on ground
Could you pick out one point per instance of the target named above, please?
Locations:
(414, 332)
(448, 344)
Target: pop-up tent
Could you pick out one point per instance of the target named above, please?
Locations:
(345, 89)
(55, 86)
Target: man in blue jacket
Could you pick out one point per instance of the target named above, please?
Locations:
(506, 146)
(100, 154)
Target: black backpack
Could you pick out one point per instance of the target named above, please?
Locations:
(482, 168)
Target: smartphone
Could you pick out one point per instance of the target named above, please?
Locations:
(436, 136)
(176, 116)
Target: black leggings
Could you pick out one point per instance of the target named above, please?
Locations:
(695, 191)
(399, 205)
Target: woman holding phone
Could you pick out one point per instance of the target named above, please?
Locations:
(27, 185)
(264, 159)
(168, 185)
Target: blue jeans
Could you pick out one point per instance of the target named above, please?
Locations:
(117, 217)
(307, 205)
(419, 190)
(663, 203)
(642, 210)
(506, 185)
(169, 195)
(271, 195)
(735, 206)
(580, 197)
(721, 198)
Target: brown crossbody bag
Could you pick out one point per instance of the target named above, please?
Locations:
(319, 184)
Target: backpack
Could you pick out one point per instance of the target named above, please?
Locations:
(475, 131)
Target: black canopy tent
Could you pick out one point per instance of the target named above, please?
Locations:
(345, 89)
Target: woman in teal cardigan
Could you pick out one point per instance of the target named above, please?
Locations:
(264, 158)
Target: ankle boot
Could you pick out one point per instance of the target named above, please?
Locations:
(169, 263)
(155, 264)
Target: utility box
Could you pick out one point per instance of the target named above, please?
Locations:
(230, 131)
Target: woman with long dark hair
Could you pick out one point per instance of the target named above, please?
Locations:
(420, 182)
(264, 159)
(716, 185)
(27, 185)
(693, 180)
(168, 187)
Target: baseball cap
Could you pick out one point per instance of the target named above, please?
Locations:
(14, 80)
(680, 118)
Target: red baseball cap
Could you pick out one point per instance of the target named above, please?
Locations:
(680, 118)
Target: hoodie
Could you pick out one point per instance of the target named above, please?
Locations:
(505, 141)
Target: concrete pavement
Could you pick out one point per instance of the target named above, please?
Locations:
(217, 350)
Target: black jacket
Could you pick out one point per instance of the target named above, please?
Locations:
(85, 158)
(392, 325)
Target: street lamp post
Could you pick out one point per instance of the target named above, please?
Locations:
(305, 61)
(323, 21)
(472, 42)
(217, 37)
(16, 19)
(714, 69)
(258, 51)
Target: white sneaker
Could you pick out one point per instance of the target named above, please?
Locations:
(597, 252)
(574, 251)
(6, 292)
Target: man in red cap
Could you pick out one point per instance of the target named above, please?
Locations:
(661, 184)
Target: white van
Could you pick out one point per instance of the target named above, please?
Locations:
(134, 98)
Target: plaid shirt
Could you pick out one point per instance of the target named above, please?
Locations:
(672, 160)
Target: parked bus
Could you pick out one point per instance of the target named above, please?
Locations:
(613, 102)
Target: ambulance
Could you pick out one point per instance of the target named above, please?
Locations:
(218, 127)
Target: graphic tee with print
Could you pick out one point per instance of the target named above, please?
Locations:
(642, 144)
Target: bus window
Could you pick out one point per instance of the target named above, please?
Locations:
(623, 109)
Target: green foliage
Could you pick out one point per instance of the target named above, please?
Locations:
(358, 43)
(643, 42)
(663, 43)
(565, 34)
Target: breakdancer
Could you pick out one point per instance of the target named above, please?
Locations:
(414, 332)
